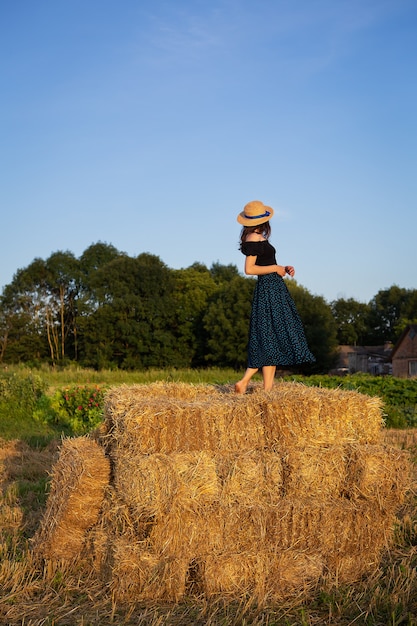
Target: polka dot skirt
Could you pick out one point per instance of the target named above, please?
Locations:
(276, 335)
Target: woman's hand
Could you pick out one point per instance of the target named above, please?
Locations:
(289, 270)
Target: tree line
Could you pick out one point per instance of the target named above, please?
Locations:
(106, 309)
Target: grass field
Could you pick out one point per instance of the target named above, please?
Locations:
(34, 594)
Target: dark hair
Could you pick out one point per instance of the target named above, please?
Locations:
(262, 229)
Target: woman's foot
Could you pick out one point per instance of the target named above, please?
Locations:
(240, 387)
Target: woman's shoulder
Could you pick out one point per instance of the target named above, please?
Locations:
(253, 247)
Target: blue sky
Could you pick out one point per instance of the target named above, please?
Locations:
(149, 124)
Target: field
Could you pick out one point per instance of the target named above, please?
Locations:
(35, 595)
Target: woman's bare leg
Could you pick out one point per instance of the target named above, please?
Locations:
(241, 386)
(268, 374)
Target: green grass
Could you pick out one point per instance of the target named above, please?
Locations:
(60, 377)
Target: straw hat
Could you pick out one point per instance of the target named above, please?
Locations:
(255, 213)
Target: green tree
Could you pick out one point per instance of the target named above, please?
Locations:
(94, 258)
(223, 273)
(61, 286)
(22, 337)
(193, 287)
(320, 327)
(226, 323)
(23, 324)
(133, 324)
(408, 314)
(387, 310)
(351, 320)
(38, 309)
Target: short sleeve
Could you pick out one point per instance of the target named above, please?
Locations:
(252, 248)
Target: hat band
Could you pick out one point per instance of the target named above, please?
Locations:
(257, 217)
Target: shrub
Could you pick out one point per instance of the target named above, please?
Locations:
(78, 408)
(19, 396)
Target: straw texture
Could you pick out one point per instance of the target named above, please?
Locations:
(78, 481)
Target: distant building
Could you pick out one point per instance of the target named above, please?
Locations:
(404, 354)
(369, 359)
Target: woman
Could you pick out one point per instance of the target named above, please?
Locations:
(276, 333)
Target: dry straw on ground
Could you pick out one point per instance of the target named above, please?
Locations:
(214, 493)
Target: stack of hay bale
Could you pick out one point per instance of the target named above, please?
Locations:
(263, 494)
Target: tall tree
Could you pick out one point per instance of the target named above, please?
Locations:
(226, 323)
(26, 300)
(22, 332)
(40, 308)
(193, 288)
(352, 321)
(387, 309)
(94, 258)
(320, 327)
(223, 273)
(61, 286)
(132, 326)
(91, 261)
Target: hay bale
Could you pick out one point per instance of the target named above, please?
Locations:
(261, 551)
(170, 425)
(147, 482)
(115, 520)
(314, 471)
(291, 414)
(264, 576)
(121, 401)
(198, 478)
(152, 483)
(234, 574)
(353, 540)
(250, 476)
(404, 439)
(140, 575)
(291, 572)
(380, 474)
(116, 398)
(78, 481)
(368, 471)
(294, 414)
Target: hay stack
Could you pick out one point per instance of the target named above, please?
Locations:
(77, 490)
(214, 493)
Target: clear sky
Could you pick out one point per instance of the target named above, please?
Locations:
(148, 124)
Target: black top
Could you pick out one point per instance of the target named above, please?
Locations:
(263, 250)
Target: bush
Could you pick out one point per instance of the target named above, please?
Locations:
(19, 396)
(78, 409)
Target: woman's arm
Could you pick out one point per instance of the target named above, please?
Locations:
(251, 269)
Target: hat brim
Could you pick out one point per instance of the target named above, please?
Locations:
(248, 221)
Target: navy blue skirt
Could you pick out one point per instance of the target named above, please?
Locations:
(276, 334)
